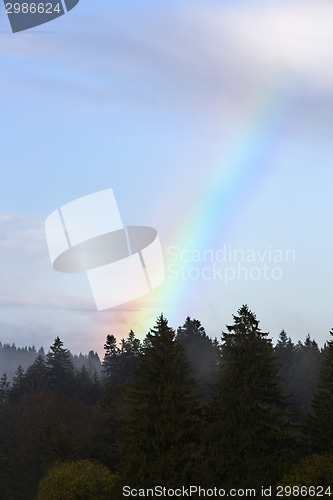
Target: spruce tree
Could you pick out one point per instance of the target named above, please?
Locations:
(249, 439)
(60, 367)
(110, 362)
(159, 432)
(129, 355)
(201, 351)
(4, 388)
(319, 426)
(37, 376)
(118, 362)
(304, 376)
(17, 389)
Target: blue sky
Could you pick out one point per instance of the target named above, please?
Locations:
(147, 99)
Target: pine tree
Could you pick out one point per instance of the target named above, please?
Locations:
(159, 433)
(249, 441)
(319, 426)
(60, 367)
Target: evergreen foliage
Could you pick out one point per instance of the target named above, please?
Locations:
(159, 433)
(110, 363)
(249, 438)
(4, 388)
(319, 429)
(37, 376)
(170, 430)
(60, 367)
(299, 371)
(201, 351)
(17, 388)
(120, 362)
(11, 357)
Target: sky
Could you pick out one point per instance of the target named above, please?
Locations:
(212, 123)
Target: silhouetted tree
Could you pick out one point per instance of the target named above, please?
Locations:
(11, 357)
(319, 428)
(17, 388)
(249, 439)
(94, 363)
(159, 433)
(60, 367)
(37, 376)
(111, 357)
(119, 362)
(286, 353)
(201, 351)
(304, 376)
(4, 388)
(88, 387)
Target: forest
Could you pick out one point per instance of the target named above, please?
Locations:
(168, 415)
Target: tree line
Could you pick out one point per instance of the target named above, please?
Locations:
(175, 409)
(11, 357)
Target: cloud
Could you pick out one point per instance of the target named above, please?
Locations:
(61, 302)
(204, 55)
(28, 279)
(199, 56)
(291, 36)
(213, 60)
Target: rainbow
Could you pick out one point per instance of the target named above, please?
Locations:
(231, 181)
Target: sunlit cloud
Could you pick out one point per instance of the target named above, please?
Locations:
(198, 56)
(193, 54)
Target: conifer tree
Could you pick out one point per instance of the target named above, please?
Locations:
(60, 367)
(119, 362)
(37, 376)
(304, 376)
(158, 436)
(110, 362)
(249, 440)
(286, 355)
(319, 426)
(17, 388)
(4, 388)
(94, 363)
(129, 355)
(201, 351)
